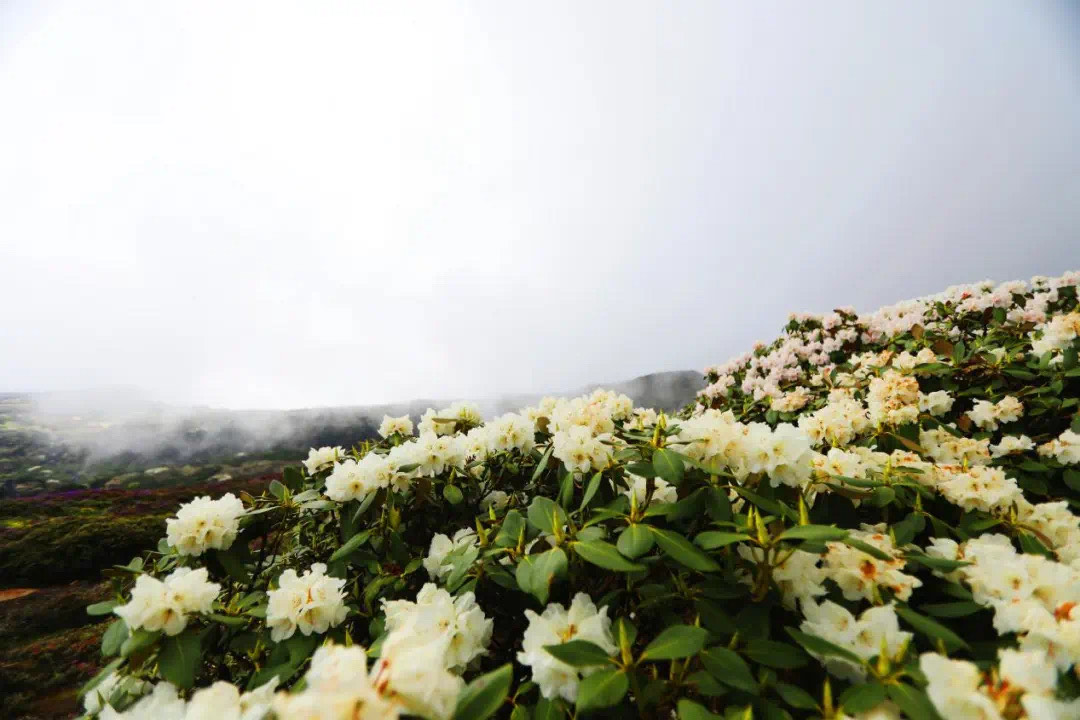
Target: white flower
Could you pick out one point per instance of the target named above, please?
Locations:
(224, 701)
(312, 602)
(558, 625)
(496, 499)
(1011, 444)
(893, 399)
(436, 563)
(579, 449)
(322, 458)
(986, 415)
(857, 574)
(664, 492)
(337, 688)
(1028, 671)
(165, 605)
(936, 403)
(1065, 448)
(954, 688)
(400, 425)
(205, 524)
(865, 636)
(436, 614)
(354, 480)
(411, 670)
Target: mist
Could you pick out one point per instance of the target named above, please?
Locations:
(362, 204)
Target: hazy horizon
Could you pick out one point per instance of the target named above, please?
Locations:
(365, 204)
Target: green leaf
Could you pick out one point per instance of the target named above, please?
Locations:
(796, 697)
(292, 478)
(635, 541)
(820, 646)
(867, 548)
(863, 697)
(483, 697)
(718, 504)
(233, 560)
(952, 609)
(715, 618)
(278, 490)
(180, 658)
(535, 573)
(579, 653)
(101, 608)
(913, 702)
(713, 539)
(604, 555)
(772, 507)
(510, 531)
(726, 666)
(668, 465)
(814, 533)
(452, 494)
(931, 628)
(677, 641)
(230, 620)
(566, 489)
(944, 565)
(602, 689)
(1032, 545)
(540, 466)
(690, 710)
(882, 496)
(114, 638)
(548, 710)
(351, 546)
(138, 640)
(680, 549)
(905, 530)
(590, 490)
(544, 513)
(780, 655)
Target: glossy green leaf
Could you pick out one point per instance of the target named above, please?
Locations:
(579, 653)
(605, 555)
(544, 513)
(713, 539)
(682, 551)
(635, 541)
(668, 465)
(180, 658)
(483, 697)
(678, 641)
(602, 689)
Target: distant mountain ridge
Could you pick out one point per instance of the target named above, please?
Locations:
(52, 440)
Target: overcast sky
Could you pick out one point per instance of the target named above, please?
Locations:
(297, 204)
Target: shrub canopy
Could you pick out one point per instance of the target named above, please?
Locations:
(870, 517)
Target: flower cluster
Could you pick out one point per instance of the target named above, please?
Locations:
(873, 517)
(458, 623)
(312, 602)
(204, 524)
(557, 625)
(875, 632)
(165, 605)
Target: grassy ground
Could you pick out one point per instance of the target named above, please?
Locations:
(57, 545)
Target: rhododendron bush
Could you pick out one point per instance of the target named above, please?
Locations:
(871, 517)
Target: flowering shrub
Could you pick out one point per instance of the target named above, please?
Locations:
(868, 518)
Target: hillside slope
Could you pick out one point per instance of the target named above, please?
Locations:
(871, 517)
